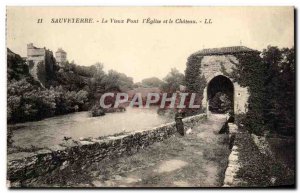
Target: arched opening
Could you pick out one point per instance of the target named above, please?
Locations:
(220, 95)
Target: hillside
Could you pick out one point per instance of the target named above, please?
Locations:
(71, 88)
(16, 67)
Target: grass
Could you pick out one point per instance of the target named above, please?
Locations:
(259, 170)
(73, 176)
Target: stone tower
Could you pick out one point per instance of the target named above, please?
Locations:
(61, 56)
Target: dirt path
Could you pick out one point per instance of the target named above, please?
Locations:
(198, 159)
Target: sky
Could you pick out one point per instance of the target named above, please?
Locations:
(143, 50)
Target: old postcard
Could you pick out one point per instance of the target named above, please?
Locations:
(110, 97)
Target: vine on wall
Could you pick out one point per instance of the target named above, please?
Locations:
(195, 82)
(270, 78)
(250, 72)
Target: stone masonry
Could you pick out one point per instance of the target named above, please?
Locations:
(213, 64)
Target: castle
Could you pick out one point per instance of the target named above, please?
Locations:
(41, 62)
(61, 57)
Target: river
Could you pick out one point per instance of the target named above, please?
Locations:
(51, 131)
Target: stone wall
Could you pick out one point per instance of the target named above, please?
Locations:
(216, 65)
(25, 165)
(230, 179)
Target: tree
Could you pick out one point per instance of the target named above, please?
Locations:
(195, 82)
(117, 81)
(71, 88)
(172, 81)
(280, 89)
(16, 67)
(250, 72)
(137, 85)
(220, 103)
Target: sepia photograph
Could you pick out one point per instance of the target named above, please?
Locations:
(150, 97)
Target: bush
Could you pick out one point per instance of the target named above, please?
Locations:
(250, 72)
(271, 82)
(26, 102)
(193, 79)
(97, 111)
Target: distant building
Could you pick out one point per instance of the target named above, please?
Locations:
(60, 56)
(40, 62)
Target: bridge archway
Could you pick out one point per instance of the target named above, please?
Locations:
(220, 95)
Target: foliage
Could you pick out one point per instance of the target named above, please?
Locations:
(137, 85)
(16, 67)
(26, 102)
(117, 81)
(250, 72)
(220, 103)
(152, 82)
(71, 88)
(97, 111)
(10, 141)
(280, 86)
(172, 81)
(257, 169)
(92, 79)
(193, 79)
(271, 82)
